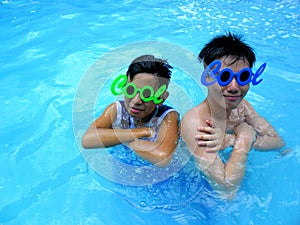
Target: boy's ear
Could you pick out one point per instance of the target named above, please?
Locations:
(164, 96)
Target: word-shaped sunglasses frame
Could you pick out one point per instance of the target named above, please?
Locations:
(120, 86)
(225, 76)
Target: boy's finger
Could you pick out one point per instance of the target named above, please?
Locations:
(211, 150)
(202, 144)
(210, 123)
(204, 137)
(208, 130)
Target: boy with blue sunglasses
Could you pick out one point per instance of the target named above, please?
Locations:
(141, 121)
(228, 63)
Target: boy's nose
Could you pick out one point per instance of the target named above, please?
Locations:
(233, 85)
(137, 99)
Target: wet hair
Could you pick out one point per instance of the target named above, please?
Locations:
(152, 65)
(227, 45)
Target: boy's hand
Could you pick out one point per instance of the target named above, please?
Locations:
(151, 133)
(245, 131)
(212, 139)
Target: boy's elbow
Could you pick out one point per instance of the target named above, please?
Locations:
(163, 159)
(280, 143)
(85, 142)
(163, 163)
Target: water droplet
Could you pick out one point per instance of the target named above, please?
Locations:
(143, 204)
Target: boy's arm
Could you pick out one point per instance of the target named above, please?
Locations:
(160, 151)
(227, 175)
(101, 134)
(214, 139)
(266, 138)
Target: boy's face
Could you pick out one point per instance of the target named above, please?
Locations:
(135, 106)
(233, 93)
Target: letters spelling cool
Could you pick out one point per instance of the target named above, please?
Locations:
(225, 76)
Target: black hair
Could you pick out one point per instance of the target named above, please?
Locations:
(150, 64)
(225, 45)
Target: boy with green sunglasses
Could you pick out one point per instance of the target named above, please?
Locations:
(141, 121)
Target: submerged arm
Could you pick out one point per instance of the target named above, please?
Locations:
(160, 151)
(227, 176)
(266, 137)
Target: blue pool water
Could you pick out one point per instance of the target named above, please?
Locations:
(48, 49)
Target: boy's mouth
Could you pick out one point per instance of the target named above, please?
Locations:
(135, 110)
(232, 98)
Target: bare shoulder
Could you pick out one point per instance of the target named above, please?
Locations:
(107, 117)
(248, 109)
(173, 113)
(243, 111)
(245, 105)
(172, 117)
(191, 120)
(193, 115)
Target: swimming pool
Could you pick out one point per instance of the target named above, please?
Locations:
(46, 51)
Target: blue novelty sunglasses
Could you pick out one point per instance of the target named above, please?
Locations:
(225, 76)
